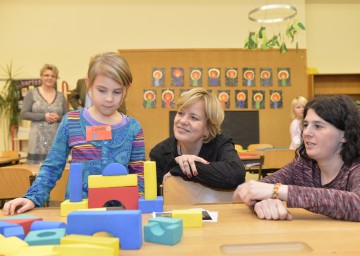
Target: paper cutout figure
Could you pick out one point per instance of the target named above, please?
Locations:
(149, 99)
(167, 98)
(258, 99)
(224, 97)
(241, 99)
(266, 77)
(248, 77)
(276, 99)
(231, 76)
(158, 76)
(284, 77)
(214, 77)
(177, 76)
(196, 76)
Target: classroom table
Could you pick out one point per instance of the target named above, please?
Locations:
(239, 231)
(4, 161)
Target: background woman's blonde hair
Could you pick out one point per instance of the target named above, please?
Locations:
(111, 65)
(50, 67)
(299, 100)
(212, 107)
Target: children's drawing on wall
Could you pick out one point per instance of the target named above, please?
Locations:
(266, 77)
(248, 77)
(167, 98)
(149, 99)
(276, 99)
(196, 76)
(231, 76)
(224, 97)
(284, 77)
(214, 77)
(158, 77)
(183, 90)
(177, 76)
(258, 99)
(241, 99)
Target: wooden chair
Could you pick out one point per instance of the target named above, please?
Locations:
(14, 182)
(178, 191)
(274, 160)
(12, 154)
(57, 194)
(255, 147)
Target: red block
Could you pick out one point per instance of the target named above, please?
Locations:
(128, 196)
(25, 223)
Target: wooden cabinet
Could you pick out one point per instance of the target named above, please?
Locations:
(332, 84)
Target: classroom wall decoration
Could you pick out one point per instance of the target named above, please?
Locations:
(224, 97)
(213, 70)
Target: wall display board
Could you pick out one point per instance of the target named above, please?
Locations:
(264, 81)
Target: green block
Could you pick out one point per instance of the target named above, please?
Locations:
(45, 236)
(163, 230)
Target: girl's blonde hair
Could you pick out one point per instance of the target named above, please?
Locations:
(212, 107)
(299, 100)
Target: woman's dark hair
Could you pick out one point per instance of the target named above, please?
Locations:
(341, 112)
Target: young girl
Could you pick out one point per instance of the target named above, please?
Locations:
(297, 113)
(122, 142)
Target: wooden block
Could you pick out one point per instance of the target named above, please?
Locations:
(109, 242)
(45, 236)
(163, 230)
(128, 196)
(191, 218)
(67, 207)
(99, 181)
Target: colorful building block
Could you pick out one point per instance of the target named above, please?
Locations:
(8, 229)
(163, 230)
(24, 222)
(191, 218)
(149, 206)
(125, 225)
(110, 242)
(39, 250)
(40, 225)
(84, 250)
(10, 245)
(99, 181)
(150, 184)
(67, 207)
(45, 236)
(114, 169)
(128, 196)
(75, 182)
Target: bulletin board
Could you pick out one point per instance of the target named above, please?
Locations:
(244, 80)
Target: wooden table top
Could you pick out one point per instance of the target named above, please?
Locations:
(239, 231)
(34, 168)
(6, 160)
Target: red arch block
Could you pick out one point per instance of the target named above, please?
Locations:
(128, 196)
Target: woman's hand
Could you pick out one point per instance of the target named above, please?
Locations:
(272, 209)
(187, 164)
(52, 118)
(18, 205)
(252, 191)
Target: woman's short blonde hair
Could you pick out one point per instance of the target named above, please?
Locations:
(298, 101)
(111, 65)
(51, 67)
(212, 107)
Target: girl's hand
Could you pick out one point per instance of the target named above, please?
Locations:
(272, 209)
(18, 205)
(187, 164)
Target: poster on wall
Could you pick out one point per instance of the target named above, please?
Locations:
(158, 77)
(231, 76)
(224, 97)
(149, 99)
(177, 76)
(248, 77)
(167, 98)
(276, 99)
(214, 77)
(196, 76)
(284, 77)
(258, 99)
(241, 98)
(266, 77)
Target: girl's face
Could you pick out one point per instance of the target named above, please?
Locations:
(299, 111)
(107, 95)
(190, 124)
(48, 78)
(322, 140)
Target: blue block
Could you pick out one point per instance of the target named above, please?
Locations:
(8, 229)
(41, 225)
(45, 236)
(114, 169)
(123, 224)
(149, 206)
(163, 230)
(75, 182)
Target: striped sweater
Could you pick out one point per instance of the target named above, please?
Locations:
(339, 199)
(126, 147)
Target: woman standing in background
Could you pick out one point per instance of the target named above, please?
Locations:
(44, 106)
(297, 113)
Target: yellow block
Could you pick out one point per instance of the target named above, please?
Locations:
(110, 242)
(99, 181)
(66, 207)
(191, 218)
(39, 250)
(150, 185)
(84, 250)
(10, 245)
